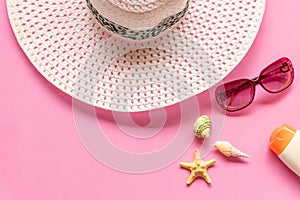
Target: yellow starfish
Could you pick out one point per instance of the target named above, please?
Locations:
(198, 168)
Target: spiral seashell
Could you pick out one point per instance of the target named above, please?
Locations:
(201, 126)
(227, 149)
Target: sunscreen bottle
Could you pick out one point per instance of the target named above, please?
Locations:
(285, 142)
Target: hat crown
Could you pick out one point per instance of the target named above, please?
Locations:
(138, 5)
(138, 14)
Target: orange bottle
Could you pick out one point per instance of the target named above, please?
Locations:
(285, 142)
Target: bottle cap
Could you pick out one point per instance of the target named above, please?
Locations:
(281, 137)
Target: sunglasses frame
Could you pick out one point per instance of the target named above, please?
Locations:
(286, 62)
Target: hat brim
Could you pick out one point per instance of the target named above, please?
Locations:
(73, 52)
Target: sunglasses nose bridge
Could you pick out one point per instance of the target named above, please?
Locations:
(256, 80)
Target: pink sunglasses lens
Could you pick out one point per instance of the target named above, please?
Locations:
(277, 76)
(235, 95)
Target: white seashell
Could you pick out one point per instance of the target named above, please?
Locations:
(227, 149)
(201, 126)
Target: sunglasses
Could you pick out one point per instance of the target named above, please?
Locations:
(238, 94)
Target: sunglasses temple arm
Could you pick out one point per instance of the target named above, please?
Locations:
(279, 71)
(277, 78)
(270, 75)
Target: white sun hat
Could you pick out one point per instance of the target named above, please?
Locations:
(135, 55)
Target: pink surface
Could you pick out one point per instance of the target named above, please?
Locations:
(42, 156)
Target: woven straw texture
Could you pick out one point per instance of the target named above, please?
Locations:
(138, 5)
(71, 50)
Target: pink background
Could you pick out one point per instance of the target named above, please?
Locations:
(42, 157)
